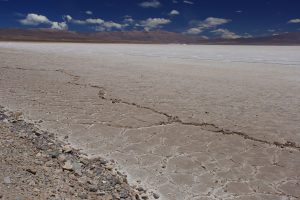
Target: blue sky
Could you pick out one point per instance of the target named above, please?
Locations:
(212, 18)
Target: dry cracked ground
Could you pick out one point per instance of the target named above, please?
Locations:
(188, 122)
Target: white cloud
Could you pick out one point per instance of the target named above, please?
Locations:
(188, 2)
(150, 4)
(175, 1)
(294, 21)
(34, 20)
(213, 22)
(208, 23)
(94, 21)
(110, 25)
(67, 18)
(174, 12)
(128, 19)
(194, 31)
(88, 12)
(153, 23)
(100, 24)
(226, 34)
(59, 25)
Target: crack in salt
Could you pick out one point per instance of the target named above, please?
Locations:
(170, 118)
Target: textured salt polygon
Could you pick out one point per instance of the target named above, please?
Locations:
(161, 111)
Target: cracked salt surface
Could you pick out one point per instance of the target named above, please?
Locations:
(185, 123)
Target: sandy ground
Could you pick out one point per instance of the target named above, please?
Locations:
(191, 122)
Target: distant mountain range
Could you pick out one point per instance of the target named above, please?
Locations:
(152, 37)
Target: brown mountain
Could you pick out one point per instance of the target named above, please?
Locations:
(159, 37)
(281, 39)
(49, 35)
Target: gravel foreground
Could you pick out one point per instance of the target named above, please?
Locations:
(35, 165)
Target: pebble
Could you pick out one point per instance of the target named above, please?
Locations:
(101, 193)
(156, 196)
(31, 170)
(109, 167)
(54, 154)
(62, 158)
(68, 165)
(93, 188)
(144, 196)
(67, 149)
(140, 189)
(32, 183)
(103, 162)
(38, 155)
(7, 180)
(82, 195)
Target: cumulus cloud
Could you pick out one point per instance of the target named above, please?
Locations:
(112, 25)
(226, 34)
(294, 21)
(188, 2)
(108, 26)
(208, 23)
(88, 12)
(35, 20)
(174, 12)
(153, 23)
(67, 18)
(150, 4)
(100, 24)
(59, 25)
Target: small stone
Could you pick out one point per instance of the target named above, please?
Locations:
(1, 196)
(68, 165)
(62, 158)
(31, 170)
(140, 189)
(17, 115)
(49, 163)
(36, 190)
(103, 162)
(38, 155)
(54, 154)
(67, 149)
(101, 193)
(145, 197)
(156, 196)
(108, 197)
(109, 167)
(84, 160)
(7, 180)
(93, 188)
(31, 183)
(82, 195)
